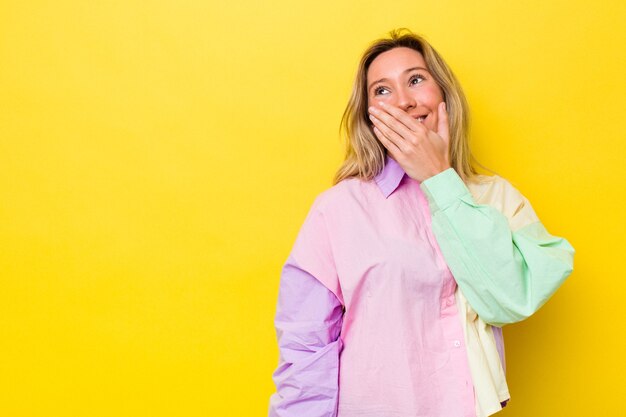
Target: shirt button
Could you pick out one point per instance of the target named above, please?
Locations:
(457, 343)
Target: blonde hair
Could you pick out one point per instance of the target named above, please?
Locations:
(365, 155)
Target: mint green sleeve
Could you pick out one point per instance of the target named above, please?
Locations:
(503, 259)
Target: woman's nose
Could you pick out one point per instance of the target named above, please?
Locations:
(405, 100)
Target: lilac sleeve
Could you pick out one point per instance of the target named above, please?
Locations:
(308, 325)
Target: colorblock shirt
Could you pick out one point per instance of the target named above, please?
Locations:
(367, 319)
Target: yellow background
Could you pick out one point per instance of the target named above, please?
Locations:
(158, 158)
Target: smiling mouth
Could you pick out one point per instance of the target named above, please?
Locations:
(420, 118)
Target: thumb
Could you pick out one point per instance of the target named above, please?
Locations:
(442, 123)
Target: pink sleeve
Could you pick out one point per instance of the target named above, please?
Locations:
(312, 250)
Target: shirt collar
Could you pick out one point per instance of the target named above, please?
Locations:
(389, 178)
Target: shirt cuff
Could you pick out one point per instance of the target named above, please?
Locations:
(443, 189)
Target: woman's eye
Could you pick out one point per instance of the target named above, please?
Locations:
(379, 90)
(415, 78)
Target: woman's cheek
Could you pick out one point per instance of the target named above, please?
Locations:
(435, 94)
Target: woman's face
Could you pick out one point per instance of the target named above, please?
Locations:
(399, 77)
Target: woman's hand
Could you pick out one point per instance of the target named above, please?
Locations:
(420, 151)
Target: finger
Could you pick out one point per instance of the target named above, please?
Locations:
(391, 147)
(391, 135)
(401, 116)
(443, 128)
(383, 132)
(392, 122)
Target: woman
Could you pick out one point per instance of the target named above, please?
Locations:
(392, 300)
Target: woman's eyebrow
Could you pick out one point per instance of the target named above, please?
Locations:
(404, 72)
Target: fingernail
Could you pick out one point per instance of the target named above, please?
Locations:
(373, 109)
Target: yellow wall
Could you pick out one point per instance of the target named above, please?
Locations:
(158, 158)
